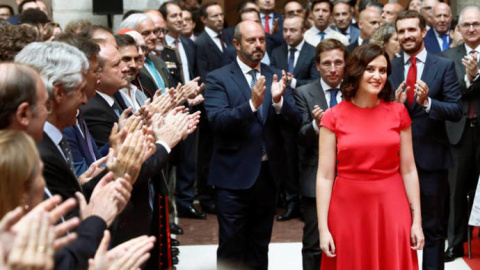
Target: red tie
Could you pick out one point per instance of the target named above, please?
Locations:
(411, 80)
(267, 26)
(471, 108)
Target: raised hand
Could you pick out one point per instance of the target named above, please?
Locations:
(258, 92)
(94, 169)
(421, 89)
(400, 94)
(317, 114)
(471, 66)
(278, 86)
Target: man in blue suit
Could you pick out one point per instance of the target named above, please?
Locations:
(342, 16)
(438, 38)
(246, 102)
(431, 96)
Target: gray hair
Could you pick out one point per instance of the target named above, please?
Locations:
(57, 62)
(383, 34)
(133, 21)
(460, 18)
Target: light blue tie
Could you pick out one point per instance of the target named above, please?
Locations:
(322, 35)
(333, 97)
(445, 44)
(156, 75)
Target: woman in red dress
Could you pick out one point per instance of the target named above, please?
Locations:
(369, 215)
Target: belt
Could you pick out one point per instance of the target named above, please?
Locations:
(472, 122)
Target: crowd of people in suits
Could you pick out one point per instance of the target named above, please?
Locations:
(121, 131)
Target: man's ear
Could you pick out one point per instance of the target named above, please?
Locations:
(23, 114)
(58, 93)
(203, 19)
(236, 44)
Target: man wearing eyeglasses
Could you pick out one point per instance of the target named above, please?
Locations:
(312, 100)
(464, 135)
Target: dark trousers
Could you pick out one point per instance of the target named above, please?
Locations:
(433, 193)
(185, 174)
(311, 252)
(204, 156)
(245, 219)
(462, 178)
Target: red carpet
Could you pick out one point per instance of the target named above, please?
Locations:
(474, 262)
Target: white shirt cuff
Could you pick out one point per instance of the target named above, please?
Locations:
(251, 106)
(293, 83)
(427, 109)
(278, 106)
(315, 126)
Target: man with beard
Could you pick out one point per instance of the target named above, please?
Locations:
(431, 96)
(245, 102)
(438, 37)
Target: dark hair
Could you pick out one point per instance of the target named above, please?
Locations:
(18, 84)
(357, 62)
(454, 22)
(241, 5)
(130, 12)
(89, 30)
(247, 10)
(164, 8)
(87, 46)
(288, 2)
(328, 45)
(411, 14)
(124, 40)
(33, 16)
(204, 7)
(20, 6)
(348, 2)
(314, 2)
(9, 8)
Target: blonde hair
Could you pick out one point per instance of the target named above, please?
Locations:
(19, 162)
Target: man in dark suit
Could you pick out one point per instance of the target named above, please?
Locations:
(438, 38)
(186, 50)
(297, 58)
(312, 100)
(431, 96)
(272, 22)
(368, 21)
(463, 135)
(245, 103)
(342, 16)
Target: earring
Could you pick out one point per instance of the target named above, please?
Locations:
(25, 207)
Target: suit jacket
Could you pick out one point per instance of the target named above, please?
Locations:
(431, 42)
(352, 46)
(191, 52)
(310, 37)
(171, 57)
(306, 97)
(161, 68)
(354, 33)
(430, 143)
(76, 254)
(209, 55)
(471, 94)
(305, 70)
(100, 118)
(58, 176)
(239, 136)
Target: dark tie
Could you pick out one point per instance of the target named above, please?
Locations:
(221, 41)
(471, 108)
(333, 97)
(445, 44)
(116, 108)
(83, 127)
(253, 73)
(322, 35)
(176, 43)
(411, 80)
(267, 26)
(291, 60)
(67, 153)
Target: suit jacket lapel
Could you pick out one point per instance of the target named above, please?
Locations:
(267, 99)
(318, 96)
(283, 61)
(213, 46)
(240, 81)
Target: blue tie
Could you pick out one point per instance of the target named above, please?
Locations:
(445, 44)
(291, 60)
(322, 35)
(156, 75)
(333, 97)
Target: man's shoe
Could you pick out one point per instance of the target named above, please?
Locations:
(174, 242)
(174, 260)
(175, 251)
(452, 253)
(291, 213)
(191, 212)
(209, 207)
(175, 229)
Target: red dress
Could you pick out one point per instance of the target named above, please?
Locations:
(369, 216)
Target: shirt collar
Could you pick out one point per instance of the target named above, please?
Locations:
(422, 56)
(468, 49)
(327, 87)
(53, 133)
(298, 47)
(107, 98)
(316, 30)
(211, 33)
(170, 40)
(245, 69)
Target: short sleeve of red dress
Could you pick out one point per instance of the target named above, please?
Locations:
(405, 120)
(328, 120)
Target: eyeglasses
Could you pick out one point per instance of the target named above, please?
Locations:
(155, 31)
(465, 26)
(328, 65)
